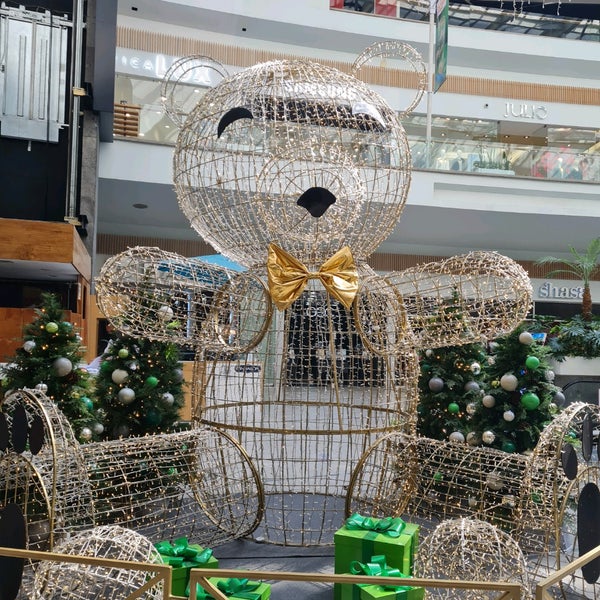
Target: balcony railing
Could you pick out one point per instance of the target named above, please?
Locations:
(148, 123)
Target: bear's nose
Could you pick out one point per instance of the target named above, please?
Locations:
(316, 200)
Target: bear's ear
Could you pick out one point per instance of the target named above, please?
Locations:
(12, 535)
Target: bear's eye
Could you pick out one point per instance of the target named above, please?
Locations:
(239, 112)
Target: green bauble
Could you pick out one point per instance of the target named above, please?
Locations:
(508, 446)
(453, 408)
(532, 362)
(123, 353)
(151, 381)
(152, 418)
(106, 366)
(87, 402)
(51, 327)
(530, 401)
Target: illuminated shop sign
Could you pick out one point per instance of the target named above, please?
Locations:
(550, 290)
(154, 66)
(524, 110)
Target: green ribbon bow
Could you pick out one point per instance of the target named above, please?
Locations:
(240, 588)
(378, 567)
(392, 527)
(181, 554)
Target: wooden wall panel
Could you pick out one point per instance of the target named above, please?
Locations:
(149, 41)
(44, 241)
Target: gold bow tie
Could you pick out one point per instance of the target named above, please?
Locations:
(288, 276)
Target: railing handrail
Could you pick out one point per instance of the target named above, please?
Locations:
(512, 591)
(542, 586)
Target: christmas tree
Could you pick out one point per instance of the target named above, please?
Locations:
(450, 388)
(522, 398)
(140, 387)
(49, 361)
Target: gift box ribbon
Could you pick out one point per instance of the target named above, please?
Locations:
(180, 551)
(377, 566)
(240, 588)
(392, 527)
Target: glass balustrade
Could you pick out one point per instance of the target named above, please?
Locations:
(457, 145)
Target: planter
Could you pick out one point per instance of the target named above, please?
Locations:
(577, 365)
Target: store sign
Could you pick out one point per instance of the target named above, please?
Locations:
(551, 291)
(525, 111)
(154, 66)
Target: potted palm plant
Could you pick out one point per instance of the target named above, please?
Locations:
(580, 335)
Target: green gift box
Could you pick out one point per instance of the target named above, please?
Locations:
(347, 591)
(236, 589)
(380, 592)
(363, 537)
(183, 557)
(377, 566)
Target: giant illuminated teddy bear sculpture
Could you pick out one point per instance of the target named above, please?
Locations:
(305, 355)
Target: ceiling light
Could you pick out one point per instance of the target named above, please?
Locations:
(140, 205)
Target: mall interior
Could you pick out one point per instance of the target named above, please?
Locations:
(505, 153)
(501, 112)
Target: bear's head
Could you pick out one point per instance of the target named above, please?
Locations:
(295, 153)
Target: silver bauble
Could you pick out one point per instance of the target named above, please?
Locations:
(526, 338)
(98, 428)
(494, 482)
(508, 416)
(126, 395)
(119, 376)
(86, 434)
(165, 313)
(550, 375)
(488, 401)
(168, 399)
(471, 408)
(42, 387)
(436, 384)
(29, 345)
(456, 436)
(62, 366)
(471, 386)
(488, 437)
(473, 438)
(509, 382)
(475, 368)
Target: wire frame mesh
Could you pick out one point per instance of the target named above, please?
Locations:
(557, 509)
(431, 480)
(463, 298)
(182, 81)
(51, 485)
(305, 391)
(72, 581)
(306, 403)
(303, 125)
(472, 550)
(402, 52)
(199, 484)
(163, 296)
